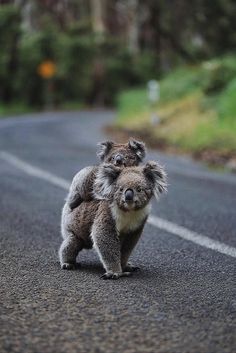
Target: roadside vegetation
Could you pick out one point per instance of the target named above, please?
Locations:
(196, 111)
(87, 53)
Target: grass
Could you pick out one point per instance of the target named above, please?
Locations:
(13, 109)
(197, 109)
(71, 105)
(21, 108)
(131, 104)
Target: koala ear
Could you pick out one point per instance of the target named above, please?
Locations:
(104, 182)
(104, 148)
(138, 147)
(157, 176)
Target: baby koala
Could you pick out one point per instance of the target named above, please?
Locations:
(113, 222)
(128, 154)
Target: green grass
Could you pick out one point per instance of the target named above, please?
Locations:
(71, 105)
(20, 108)
(132, 103)
(13, 109)
(197, 108)
(226, 105)
(180, 82)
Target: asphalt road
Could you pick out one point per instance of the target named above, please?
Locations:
(182, 300)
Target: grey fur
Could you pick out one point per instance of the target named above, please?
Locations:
(112, 225)
(138, 147)
(130, 154)
(81, 188)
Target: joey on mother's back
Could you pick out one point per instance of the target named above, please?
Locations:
(122, 155)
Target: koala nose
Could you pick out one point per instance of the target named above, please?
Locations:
(118, 159)
(129, 195)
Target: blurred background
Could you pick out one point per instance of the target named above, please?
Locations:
(72, 54)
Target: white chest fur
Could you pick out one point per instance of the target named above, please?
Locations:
(129, 221)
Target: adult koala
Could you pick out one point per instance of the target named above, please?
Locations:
(126, 155)
(114, 221)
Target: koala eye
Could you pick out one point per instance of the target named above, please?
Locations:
(139, 189)
(121, 188)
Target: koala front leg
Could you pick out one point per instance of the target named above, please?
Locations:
(127, 247)
(69, 250)
(107, 245)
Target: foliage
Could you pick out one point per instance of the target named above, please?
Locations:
(180, 82)
(220, 73)
(101, 48)
(34, 49)
(9, 34)
(74, 60)
(226, 104)
(131, 103)
(89, 69)
(15, 108)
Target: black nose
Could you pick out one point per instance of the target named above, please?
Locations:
(129, 195)
(118, 159)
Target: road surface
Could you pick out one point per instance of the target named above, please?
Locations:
(182, 300)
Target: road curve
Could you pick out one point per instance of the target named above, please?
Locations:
(182, 300)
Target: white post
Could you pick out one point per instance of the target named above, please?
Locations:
(153, 97)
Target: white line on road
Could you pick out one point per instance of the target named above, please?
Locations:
(192, 236)
(34, 171)
(157, 222)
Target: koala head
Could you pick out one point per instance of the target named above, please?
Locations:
(130, 188)
(126, 155)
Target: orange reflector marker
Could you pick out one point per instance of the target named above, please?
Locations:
(47, 69)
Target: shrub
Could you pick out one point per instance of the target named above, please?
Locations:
(227, 102)
(9, 35)
(220, 73)
(34, 49)
(75, 57)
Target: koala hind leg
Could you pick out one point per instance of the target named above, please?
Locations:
(69, 250)
(74, 201)
(80, 187)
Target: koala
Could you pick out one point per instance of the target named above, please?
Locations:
(129, 154)
(113, 222)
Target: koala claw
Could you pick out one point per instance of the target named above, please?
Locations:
(69, 266)
(115, 275)
(110, 276)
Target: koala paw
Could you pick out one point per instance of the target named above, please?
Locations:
(69, 266)
(115, 275)
(131, 268)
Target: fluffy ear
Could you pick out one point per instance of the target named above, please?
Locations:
(157, 176)
(105, 180)
(138, 147)
(104, 148)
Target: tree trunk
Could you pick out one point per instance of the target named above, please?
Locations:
(97, 15)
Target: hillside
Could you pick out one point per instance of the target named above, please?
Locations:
(196, 112)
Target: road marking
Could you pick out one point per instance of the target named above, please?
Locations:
(192, 236)
(34, 171)
(157, 222)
